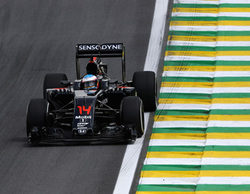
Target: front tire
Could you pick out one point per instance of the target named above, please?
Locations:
(36, 119)
(132, 113)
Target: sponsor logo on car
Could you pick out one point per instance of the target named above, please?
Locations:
(96, 47)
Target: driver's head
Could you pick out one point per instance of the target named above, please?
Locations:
(90, 82)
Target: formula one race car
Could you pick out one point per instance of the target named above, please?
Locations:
(93, 108)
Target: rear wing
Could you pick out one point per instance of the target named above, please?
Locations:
(107, 50)
(97, 50)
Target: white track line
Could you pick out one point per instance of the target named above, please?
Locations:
(193, 180)
(199, 58)
(209, 28)
(211, 90)
(132, 154)
(207, 73)
(191, 142)
(213, 44)
(203, 106)
(197, 161)
(211, 2)
(197, 14)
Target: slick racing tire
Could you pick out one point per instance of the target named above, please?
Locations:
(132, 113)
(36, 119)
(53, 80)
(145, 85)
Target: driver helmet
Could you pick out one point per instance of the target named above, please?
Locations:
(90, 82)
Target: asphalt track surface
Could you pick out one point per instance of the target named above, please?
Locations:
(38, 37)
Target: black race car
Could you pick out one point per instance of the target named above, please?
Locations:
(93, 107)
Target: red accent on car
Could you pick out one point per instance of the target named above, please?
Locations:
(83, 108)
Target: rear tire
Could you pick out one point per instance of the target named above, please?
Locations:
(145, 85)
(132, 113)
(36, 119)
(53, 80)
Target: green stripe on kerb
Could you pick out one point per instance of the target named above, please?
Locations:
(215, 19)
(231, 79)
(179, 130)
(202, 112)
(225, 167)
(171, 167)
(207, 63)
(182, 112)
(175, 149)
(186, 188)
(227, 148)
(185, 96)
(205, 48)
(159, 187)
(203, 96)
(177, 5)
(210, 33)
(228, 130)
(229, 112)
(195, 167)
(205, 79)
(187, 79)
(225, 187)
(197, 148)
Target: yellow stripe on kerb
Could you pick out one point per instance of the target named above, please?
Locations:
(231, 100)
(211, 10)
(171, 192)
(207, 53)
(202, 173)
(229, 118)
(207, 68)
(205, 154)
(200, 136)
(169, 174)
(194, 136)
(204, 101)
(231, 84)
(193, 192)
(210, 23)
(188, 84)
(205, 84)
(184, 101)
(180, 118)
(174, 154)
(192, 53)
(203, 118)
(224, 173)
(208, 38)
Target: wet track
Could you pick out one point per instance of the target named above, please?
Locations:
(38, 37)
